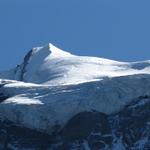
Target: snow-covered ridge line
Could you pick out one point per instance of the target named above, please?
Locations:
(52, 66)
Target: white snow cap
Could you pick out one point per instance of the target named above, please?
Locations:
(55, 51)
(51, 65)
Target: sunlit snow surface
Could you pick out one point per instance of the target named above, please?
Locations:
(55, 85)
(52, 66)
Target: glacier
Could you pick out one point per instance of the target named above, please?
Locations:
(56, 85)
(51, 86)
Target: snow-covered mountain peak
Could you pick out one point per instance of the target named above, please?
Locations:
(54, 51)
(53, 66)
(59, 89)
(49, 51)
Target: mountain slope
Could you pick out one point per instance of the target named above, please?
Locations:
(40, 106)
(127, 130)
(52, 66)
(57, 93)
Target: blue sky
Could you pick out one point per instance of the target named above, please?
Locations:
(114, 29)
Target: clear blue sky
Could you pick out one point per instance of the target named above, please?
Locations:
(115, 29)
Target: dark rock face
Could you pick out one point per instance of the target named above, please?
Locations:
(133, 124)
(81, 125)
(25, 63)
(126, 130)
(89, 126)
(2, 95)
(21, 69)
(12, 137)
